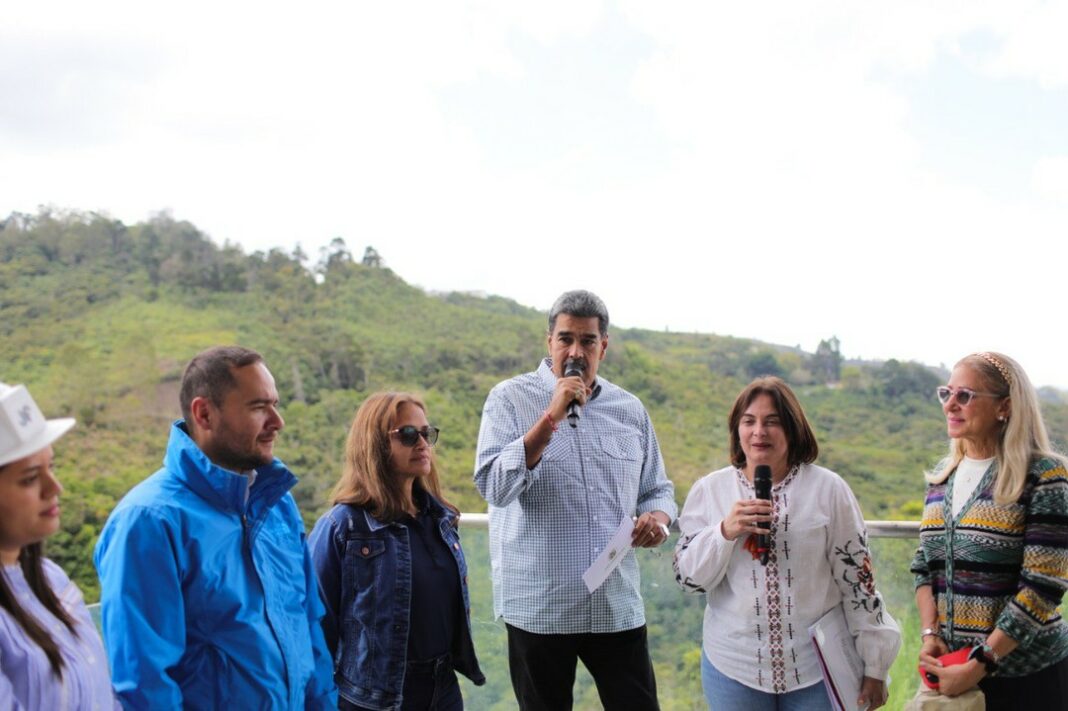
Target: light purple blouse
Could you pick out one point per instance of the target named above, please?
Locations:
(26, 677)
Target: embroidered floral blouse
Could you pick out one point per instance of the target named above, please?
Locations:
(757, 617)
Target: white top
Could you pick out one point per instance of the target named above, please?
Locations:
(251, 474)
(969, 474)
(757, 618)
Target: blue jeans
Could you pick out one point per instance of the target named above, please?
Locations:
(726, 694)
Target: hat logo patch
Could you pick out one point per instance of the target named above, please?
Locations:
(25, 415)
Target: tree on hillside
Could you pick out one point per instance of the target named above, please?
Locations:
(298, 254)
(149, 252)
(828, 360)
(334, 256)
(371, 257)
(895, 379)
(192, 261)
(763, 363)
(282, 284)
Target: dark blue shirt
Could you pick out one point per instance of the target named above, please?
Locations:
(436, 608)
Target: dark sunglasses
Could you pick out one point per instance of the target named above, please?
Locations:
(963, 395)
(409, 434)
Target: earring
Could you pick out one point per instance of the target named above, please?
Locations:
(1001, 418)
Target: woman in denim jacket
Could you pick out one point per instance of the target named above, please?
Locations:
(391, 569)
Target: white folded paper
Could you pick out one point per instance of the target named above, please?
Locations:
(610, 558)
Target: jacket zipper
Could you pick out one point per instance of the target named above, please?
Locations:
(266, 609)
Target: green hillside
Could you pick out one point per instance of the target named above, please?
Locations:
(99, 318)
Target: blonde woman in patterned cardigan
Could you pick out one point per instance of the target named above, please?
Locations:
(756, 652)
(992, 565)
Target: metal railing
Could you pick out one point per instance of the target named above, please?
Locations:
(671, 616)
(876, 529)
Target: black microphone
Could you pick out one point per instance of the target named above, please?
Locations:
(574, 368)
(762, 484)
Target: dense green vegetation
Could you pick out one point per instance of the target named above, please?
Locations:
(98, 318)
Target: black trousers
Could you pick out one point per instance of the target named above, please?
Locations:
(1045, 690)
(428, 686)
(543, 669)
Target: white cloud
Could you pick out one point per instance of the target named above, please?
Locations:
(1050, 178)
(768, 175)
(1034, 44)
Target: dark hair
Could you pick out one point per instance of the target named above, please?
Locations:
(210, 374)
(580, 304)
(801, 446)
(366, 479)
(30, 560)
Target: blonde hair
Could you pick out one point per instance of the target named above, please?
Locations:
(366, 478)
(1023, 437)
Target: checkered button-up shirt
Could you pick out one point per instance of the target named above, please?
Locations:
(549, 523)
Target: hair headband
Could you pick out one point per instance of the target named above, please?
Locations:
(997, 364)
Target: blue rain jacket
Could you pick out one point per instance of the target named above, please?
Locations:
(210, 602)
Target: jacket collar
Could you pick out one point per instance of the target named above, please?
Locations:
(434, 507)
(221, 487)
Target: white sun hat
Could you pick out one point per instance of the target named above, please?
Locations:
(23, 429)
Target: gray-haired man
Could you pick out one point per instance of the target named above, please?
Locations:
(557, 494)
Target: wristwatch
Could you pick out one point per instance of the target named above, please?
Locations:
(929, 631)
(985, 656)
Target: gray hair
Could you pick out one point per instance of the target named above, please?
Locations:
(580, 304)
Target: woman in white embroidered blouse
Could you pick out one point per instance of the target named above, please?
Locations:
(757, 651)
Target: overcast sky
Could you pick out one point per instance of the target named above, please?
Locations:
(893, 173)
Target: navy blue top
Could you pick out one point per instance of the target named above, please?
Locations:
(436, 610)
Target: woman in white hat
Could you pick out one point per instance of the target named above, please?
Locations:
(51, 656)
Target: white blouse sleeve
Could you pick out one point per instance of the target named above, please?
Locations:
(702, 553)
(878, 637)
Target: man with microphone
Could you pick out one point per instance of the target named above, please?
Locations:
(563, 457)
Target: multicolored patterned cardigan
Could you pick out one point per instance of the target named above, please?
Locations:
(1000, 566)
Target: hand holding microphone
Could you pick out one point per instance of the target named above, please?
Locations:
(570, 391)
(746, 517)
(753, 516)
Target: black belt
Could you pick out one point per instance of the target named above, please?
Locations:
(430, 667)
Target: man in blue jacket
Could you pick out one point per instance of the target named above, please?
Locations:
(208, 594)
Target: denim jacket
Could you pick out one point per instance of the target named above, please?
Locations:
(365, 577)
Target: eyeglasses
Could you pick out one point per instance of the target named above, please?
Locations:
(409, 434)
(963, 395)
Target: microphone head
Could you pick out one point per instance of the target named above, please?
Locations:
(573, 367)
(762, 481)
